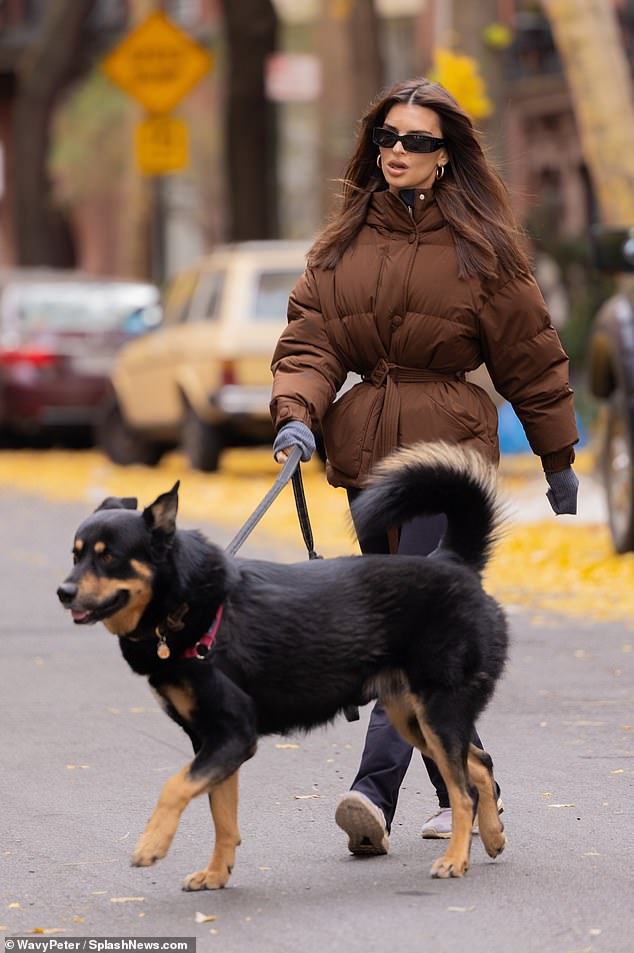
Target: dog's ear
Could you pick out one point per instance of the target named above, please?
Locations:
(161, 514)
(118, 503)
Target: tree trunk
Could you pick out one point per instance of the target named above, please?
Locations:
(251, 32)
(586, 34)
(352, 70)
(42, 237)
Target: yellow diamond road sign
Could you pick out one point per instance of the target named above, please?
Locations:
(161, 145)
(157, 64)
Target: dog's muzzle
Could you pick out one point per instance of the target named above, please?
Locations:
(67, 592)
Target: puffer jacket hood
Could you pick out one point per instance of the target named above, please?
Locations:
(395, 312)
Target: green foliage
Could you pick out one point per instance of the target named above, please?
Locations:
(91, 141)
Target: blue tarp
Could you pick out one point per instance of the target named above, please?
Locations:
(512, 436)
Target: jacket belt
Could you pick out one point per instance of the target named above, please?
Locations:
(385, 374)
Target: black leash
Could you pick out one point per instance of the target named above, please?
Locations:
(290, 471)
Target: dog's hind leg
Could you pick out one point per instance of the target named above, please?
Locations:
(407, 714)
(224, 811)
(490, 826)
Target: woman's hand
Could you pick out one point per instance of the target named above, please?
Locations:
(293, 434)
(562, 494)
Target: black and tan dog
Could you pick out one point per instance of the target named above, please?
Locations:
(238, 648)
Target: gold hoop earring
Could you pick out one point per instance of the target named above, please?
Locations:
(378, 161)
(440, 171)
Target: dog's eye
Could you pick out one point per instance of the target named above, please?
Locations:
(75, 558)
(107, 557)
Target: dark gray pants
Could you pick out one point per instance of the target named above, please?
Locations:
(386, 755)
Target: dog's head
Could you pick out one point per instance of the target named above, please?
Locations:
(115, 553)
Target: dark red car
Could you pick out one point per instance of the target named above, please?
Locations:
(59, 333)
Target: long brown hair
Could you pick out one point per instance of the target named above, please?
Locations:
(471, 196)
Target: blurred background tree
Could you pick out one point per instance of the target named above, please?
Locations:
(600, 82)
(50, 63)
(251, 37)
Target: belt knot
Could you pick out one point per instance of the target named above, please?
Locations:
(379, 373)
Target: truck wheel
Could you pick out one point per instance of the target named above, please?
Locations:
(122, 444)
(201, 442)
(618, 473)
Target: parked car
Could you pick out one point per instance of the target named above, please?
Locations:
(203, 379)
(59, 332)
(612, 381)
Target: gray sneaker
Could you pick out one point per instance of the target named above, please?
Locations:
(438, 826)
(364, 823)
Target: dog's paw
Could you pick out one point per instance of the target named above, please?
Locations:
(444, 867)
(495, 844)
(207, 880)
(148, 851)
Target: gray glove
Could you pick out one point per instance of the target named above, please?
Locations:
(292, 434)
(562, 494)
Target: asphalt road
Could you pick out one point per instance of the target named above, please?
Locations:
(85, 751)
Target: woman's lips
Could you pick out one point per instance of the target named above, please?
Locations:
(396, 168)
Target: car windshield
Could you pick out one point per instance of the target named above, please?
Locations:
(272, 293)
(68, 307)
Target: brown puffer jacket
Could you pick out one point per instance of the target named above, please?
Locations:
(395, 312)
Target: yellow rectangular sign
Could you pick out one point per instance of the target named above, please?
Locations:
(162, 145)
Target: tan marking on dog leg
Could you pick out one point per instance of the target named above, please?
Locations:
(490, 824)
(400, 711)
(155, 841)
(224, 811)
(455, 861)
(181, 698)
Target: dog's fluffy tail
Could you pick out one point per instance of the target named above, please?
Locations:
(430, 478)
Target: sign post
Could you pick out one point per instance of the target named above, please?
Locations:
(158, 64)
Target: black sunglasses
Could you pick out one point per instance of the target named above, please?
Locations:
(411, 141)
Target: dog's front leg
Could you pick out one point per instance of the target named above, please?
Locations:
(224, 811)
(155, 841)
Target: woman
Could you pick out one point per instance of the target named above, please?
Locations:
(418, 279)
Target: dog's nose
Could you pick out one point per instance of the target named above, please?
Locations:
(67, 592)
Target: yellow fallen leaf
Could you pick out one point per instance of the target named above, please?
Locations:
(79, 919)
(15, 906)
(77, 767)
(562, 805)
(460, 909)
(264, 868)
(618, 771)
(305, 797)
(40, 931)
(204, 918)
(126, 899)
(287, 746)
